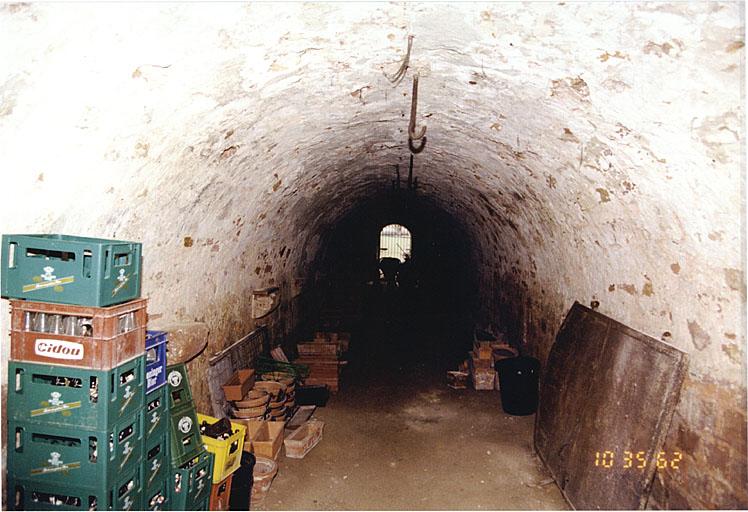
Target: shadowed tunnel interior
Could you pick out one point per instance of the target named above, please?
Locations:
(429, 316)
(575, 152)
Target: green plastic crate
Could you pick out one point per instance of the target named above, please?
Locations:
(179, 385)
(70, 269)
(156, 461)
(156, 497)
(185, 441)
(156, 413)
(75, 397)
(190, 484)
(203, 504)
(65, 455)
(125, 494)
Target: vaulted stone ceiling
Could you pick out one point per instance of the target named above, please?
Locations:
(593, 151)
(595, 145)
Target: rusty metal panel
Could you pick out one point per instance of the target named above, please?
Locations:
(606, 388)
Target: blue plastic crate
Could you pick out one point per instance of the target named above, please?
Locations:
(155, 357)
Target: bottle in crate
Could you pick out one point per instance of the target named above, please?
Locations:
(45, 454)
(190, 484)
(156, 412)
(70, 269)
(122, 494)
(227, 450)
(156, 460)
(156, 473)
(157, 497)
(220, 493)
(63, 396)
(80, 336)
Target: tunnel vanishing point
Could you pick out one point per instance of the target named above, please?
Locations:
(575, 152)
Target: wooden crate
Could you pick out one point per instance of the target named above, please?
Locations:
(314, 349)
(483, 380)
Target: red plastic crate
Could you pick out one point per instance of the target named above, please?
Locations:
(114, 338)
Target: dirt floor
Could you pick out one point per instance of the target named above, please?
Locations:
(396, 437)
(416, 445)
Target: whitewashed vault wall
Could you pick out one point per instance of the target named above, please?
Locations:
(593, 149)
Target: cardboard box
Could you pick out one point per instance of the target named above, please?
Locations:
(482, 377)
(480, 362)
(239, 384)
(483, 380)
(482, 349)
(264, 438)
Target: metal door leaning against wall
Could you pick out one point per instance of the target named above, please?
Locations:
(606, 401)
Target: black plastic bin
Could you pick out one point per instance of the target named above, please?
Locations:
(518, 380)
(241, 484)
(312, 395)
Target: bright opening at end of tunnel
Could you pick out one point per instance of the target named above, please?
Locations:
(395, 242)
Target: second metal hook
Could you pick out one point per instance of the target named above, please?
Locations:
(413, 108)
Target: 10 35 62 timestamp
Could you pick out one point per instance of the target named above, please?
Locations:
(637, 460)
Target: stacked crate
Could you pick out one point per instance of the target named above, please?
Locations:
(323, 357)
(191, 468)
(76, 387)
(156, 456)
(226, 448)
(480, 361)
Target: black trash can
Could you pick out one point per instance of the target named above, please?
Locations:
(518, 380)
(241, 484)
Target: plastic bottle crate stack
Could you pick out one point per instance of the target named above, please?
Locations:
(203, 459)
(81, 434)
(156, 454)
(92, 422)
(191, 465)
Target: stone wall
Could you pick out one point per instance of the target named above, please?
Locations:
(593, 152)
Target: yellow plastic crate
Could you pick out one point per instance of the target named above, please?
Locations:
(228, 452)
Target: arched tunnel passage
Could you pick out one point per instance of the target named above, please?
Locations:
(575, 152)
(427, 314)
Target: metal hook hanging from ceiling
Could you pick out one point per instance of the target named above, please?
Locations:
(412, 134)
(398, 76)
